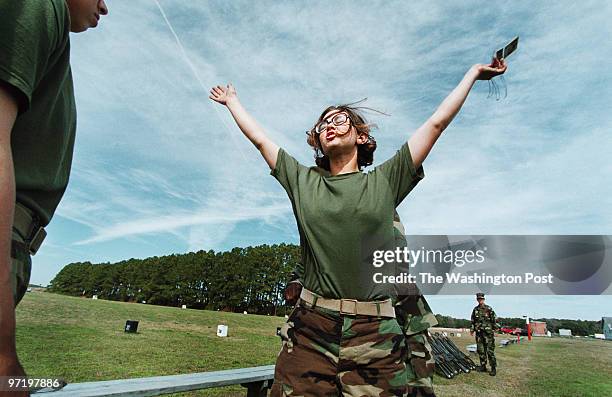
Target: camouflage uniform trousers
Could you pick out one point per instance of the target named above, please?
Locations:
(485, 345)
(325, 353)
(21, 267)
(415, 317)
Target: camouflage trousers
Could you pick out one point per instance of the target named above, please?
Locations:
(420, 366)
(328, 354)
(485, 345)
(415, 317)
(21, 267)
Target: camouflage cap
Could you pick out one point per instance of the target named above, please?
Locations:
(479, 295)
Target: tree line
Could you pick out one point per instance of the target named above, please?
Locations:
(249, 279)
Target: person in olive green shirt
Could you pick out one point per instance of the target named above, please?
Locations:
(37, 133)
(343, 217)
(413, 314)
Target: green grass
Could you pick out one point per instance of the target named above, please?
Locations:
(587, 368)
(557, 367)
(83, 340)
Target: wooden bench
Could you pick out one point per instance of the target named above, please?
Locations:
(257, 380)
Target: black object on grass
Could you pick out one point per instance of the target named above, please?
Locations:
(131, 326)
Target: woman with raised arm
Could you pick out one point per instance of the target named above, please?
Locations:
(343, 338)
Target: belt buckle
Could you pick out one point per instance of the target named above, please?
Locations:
(353, 301)
(37, 240)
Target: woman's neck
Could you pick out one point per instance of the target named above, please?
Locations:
(343, 163)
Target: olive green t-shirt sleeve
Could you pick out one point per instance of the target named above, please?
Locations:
(401, 174)
(30, 33)
(288, 172)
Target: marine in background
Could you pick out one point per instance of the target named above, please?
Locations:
(484, 324)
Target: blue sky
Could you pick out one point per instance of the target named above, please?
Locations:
(160, 169)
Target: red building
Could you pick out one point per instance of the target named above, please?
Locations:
(538, 328)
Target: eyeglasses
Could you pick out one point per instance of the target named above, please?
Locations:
(338, 120)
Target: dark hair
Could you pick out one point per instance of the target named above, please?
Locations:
(365, 151)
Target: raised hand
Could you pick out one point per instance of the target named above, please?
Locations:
(487, 72)
(250, 128)
(223, 95)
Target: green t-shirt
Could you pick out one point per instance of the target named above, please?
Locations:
(35, 60)
(343, 219)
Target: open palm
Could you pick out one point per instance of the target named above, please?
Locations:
(223, 94)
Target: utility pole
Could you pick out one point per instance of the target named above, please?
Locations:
(528, 328)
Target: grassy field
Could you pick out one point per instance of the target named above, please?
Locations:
(83, 340)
